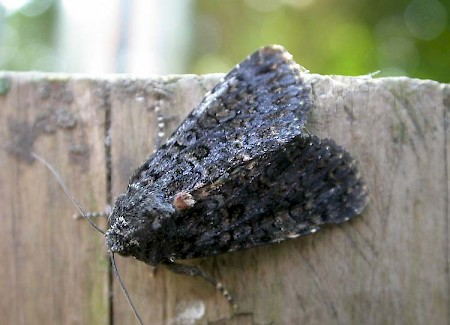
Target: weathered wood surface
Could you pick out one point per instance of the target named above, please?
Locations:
(53, 268)
(388, 266)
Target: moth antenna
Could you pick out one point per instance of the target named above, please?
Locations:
(63, 186)
(122, 286)
(83, 213)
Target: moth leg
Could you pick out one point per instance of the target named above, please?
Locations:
(192, 270)
(95, 214)
(161, 126)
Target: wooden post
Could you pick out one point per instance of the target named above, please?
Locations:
(388, 266)
(54, 268)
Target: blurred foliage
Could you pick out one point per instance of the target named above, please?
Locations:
(27, 37)
(348, 37)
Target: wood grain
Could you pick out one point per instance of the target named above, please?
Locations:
(390, 265)
(54, 268)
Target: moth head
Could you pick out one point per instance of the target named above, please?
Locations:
(135, 224)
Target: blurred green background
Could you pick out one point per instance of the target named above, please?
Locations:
(348, 37)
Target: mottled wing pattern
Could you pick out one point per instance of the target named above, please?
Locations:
(258, 107)
(280, 194)
(240, 171)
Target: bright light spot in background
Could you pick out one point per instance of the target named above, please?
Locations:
(79, 8)
(35, 8)
(139, 37)
(28, 8)
(87, 35)
(425, 19)
(13, 5)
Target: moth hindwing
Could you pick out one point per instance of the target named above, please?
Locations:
(239, 172)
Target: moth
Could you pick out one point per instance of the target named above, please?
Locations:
(240, 171)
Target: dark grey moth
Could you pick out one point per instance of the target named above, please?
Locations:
(240, 171)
